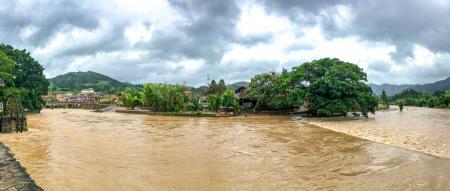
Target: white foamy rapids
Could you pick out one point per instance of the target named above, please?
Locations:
(421, 129)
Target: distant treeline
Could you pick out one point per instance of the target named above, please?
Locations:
(437, 99)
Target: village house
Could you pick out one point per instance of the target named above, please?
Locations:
(78, 99)
(241, 93)
(62, 97)
(86, 98)
(87, 91)
(113, 97)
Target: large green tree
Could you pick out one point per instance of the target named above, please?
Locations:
(334, 87)
(6, 69)
(229, 99)
(262, 88)
(326, 87)
(221, 87)
(213, 87)
(131, 98)
(28, 77)
(290, 90)
(214, 101)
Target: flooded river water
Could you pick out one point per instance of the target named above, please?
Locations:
(421, 129)
(82, 150)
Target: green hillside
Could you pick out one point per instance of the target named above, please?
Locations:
(442, 85)
(75, 81)
(237, 85)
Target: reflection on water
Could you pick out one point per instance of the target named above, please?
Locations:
(81, 150)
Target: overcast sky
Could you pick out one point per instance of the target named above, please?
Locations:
(401, 41)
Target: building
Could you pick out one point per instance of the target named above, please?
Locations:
(87, 91)
(62, 97)
(113, 97)
(241, 92)
(78, 99)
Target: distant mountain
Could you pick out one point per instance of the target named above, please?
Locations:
(238, 85)
(439, 85)
(389, 88)
(82, 80)
(200, 90)
(393, 89)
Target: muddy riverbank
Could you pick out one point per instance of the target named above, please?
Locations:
(82, 150)
(12, 175)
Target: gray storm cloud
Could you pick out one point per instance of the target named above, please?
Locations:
(206, 30)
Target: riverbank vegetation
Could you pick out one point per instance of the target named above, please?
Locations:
(23, 76)
(326, 87)
(173, 98)
(165, 97)
(437, 99)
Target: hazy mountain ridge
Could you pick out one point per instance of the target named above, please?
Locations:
(393, 89)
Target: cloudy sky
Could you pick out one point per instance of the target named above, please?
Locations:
(401, 41)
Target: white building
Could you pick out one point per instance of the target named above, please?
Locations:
(87, 91)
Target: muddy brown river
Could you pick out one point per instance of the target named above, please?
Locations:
(82, 150)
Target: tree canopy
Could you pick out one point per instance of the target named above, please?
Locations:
(262, 88)
(326, 87)
(216, 88)
(131, 98)
(28, 79)
(229, 99)
(165, 97)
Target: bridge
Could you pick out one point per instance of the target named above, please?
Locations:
(79, 105)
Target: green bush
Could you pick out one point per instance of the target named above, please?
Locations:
(165, 98)
(214, 102)
(229, 99)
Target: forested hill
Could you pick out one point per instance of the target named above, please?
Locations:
(238, 85)
(81, 80)
(442, 85)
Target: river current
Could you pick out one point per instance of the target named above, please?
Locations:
(82, 150)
